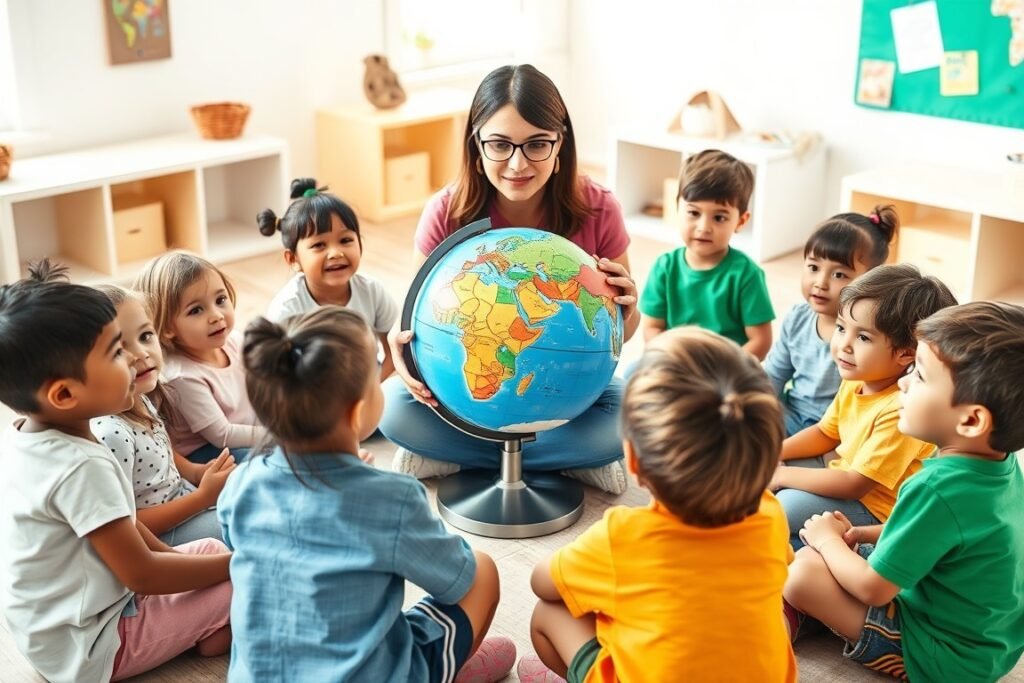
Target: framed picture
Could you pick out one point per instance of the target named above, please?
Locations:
(137, 30)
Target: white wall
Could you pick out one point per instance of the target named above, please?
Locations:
(781, 65)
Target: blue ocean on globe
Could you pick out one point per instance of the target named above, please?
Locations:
(515, 330)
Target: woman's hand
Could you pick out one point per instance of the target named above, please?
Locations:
(397, 340)
(618, 276)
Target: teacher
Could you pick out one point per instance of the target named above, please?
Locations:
(519, 170)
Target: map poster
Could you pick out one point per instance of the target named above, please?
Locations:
(137, 30)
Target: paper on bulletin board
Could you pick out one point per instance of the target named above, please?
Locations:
(1014, 9)
(875, 85)
(958, 74)
(918, 39)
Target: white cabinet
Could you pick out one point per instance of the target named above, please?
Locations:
(965, 226)
(63, 205)
(788, 199)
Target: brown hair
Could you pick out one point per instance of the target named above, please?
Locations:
(138, 414)
(849, 237)
(982, 344)
(302, 373)
(713, 175)
(163, 283)
(705, 424)
(902, 296)
(538, 101)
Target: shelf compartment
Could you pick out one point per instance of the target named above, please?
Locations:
(997, 275)
(440, 139)
(234, 193)
(70, 228)
(180, 198)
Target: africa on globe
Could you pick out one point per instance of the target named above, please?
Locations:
(515, 330)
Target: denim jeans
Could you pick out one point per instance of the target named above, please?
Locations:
(800, 506)
(205, 454)
(590, 440)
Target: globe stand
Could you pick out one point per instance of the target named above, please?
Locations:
(509, 503)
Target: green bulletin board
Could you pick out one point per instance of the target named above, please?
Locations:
(965, 25)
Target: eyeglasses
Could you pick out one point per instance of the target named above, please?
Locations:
(533, 150)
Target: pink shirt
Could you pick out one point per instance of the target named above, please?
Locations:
(211, 401)
(604, 233)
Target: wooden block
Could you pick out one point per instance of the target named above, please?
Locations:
(407, 178)
(139, 230)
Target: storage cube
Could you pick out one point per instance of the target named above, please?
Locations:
(139, 229)
(407, 178)
(942, 251)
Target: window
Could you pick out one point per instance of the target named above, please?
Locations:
(442, 33)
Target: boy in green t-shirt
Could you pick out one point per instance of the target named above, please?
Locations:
(708, 283)
(941, 597)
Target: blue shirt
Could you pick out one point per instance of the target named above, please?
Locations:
(799, 354)
(319, 569)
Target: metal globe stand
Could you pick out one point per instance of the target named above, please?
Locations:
(504, 504)
(509, 503)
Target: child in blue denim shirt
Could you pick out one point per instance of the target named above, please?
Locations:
(324, 543)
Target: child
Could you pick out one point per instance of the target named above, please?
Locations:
(323, 245)
(88, 588)
(873, 346)
(841, 249)
(324, 543)
(941, 597)
(706, 282)
(193, 310)
(684, 588)
(174, 498)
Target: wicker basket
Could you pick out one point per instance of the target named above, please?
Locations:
(6, 157)
(220, 120)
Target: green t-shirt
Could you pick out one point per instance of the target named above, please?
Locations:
(955, 546)
(724, 299)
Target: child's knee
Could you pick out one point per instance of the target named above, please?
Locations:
(805, 574)
(487, 574)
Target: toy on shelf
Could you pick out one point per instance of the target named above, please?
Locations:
(380, 83)
(705, 115)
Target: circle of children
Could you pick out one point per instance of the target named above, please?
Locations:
(877, 441)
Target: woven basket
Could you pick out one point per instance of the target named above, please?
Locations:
(6, 157)
(220, 120)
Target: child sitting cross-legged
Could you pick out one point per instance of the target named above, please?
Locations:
(685, 588)
(324, 543)
(90, 593)
(940, 597)
(873, 345)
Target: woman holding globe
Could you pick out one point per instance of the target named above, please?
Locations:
(518, 169)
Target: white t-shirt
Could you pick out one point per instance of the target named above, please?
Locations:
(61, 601)
(144, 453)
(368, 298)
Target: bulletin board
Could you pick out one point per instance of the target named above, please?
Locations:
(965, 25)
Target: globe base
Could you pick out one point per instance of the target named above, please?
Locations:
(483, 502)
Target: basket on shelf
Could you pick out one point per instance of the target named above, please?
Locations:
(6, 157)
(220, 120)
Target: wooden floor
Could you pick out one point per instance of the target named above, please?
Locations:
(387, 257)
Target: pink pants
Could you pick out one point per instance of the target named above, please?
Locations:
(167, 625)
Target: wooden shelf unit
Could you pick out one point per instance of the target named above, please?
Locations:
(356, 142)
(788, 197)
(62, 205)
(965, 226)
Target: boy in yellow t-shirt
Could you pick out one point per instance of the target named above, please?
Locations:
(873, 345)
(689, 587)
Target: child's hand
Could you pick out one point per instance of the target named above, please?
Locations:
(820, 529)
(851, 536)
(366, 456)
(619, 277)
(777, 482)
(215, 476)
(397, 340)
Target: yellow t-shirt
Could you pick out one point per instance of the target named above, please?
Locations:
(675, 602)
(870, 443)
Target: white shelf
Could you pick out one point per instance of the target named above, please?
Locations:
(788, 196)
(61, 205)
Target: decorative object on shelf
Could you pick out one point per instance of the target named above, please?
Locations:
(137, 30)
(6, 158)
(705, 115)
(380, 83)
(800, 143)
(220, 120)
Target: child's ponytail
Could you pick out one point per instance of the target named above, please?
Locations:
(310, 213)
(849, 237)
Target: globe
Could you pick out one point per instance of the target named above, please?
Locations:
(515, 330)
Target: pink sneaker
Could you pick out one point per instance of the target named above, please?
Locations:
(491, 662)
(532, 670)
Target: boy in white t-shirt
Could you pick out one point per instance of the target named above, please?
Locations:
(85, 583)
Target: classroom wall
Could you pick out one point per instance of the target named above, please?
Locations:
(784, 65)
